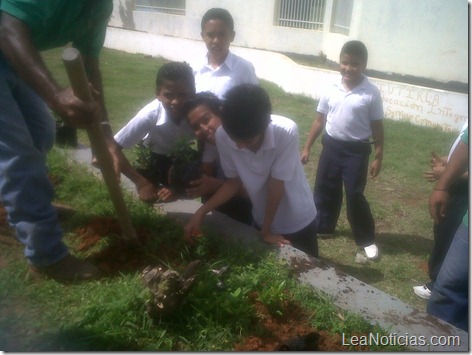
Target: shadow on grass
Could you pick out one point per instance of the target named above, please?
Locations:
(389, 245)
(76, 338)
(392, 244)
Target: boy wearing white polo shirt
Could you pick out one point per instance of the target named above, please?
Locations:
(158, 125)
(260, 152)
(352, 112)
(221, 69)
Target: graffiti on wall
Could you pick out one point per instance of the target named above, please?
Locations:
(423, 106)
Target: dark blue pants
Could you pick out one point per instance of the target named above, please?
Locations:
(449, 299)
(344, 163)
(305, 239)
(445, 230)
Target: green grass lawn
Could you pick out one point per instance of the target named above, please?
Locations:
(108, 314)
(398, 196)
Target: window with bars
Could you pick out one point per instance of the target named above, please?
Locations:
(342, 13)
(173, 7)
(306, 14)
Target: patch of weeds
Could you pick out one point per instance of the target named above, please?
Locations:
(274, 297)
(142, 156)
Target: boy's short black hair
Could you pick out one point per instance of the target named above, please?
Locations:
(246, 111)
(218, 13)
(175, 71)
(206, 98)
(356, 48)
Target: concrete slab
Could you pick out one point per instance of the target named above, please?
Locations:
(406, 325)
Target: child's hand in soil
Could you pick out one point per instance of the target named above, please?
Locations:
(205, 186)
(275, 239)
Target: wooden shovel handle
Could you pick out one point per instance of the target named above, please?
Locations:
(78, 80)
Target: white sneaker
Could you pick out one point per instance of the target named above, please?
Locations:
(371, 251)
(422, 291)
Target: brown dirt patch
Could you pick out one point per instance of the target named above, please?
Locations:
(289, 330)
(120, 255)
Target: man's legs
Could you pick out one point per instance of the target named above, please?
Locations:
(26, 136)
(25, 189)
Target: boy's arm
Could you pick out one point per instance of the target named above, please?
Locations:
(378, 137)
(275, 193)
(146, 190)
(229, 188)
(455, 168)
(316, 128)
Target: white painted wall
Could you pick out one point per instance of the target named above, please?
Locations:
(426, 38)
(415, 104)
(423, 38)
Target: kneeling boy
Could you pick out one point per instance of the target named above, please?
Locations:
(203, 112)
(159, 125)
(260, 152)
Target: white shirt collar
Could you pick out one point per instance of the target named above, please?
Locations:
(229, 62)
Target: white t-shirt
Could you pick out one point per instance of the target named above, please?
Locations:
(349, 113)
(234, 71)
(210, 153)
(152, 125)
(278, 157)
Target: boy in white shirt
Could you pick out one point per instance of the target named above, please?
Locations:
(259, 151)
(352, 112)
(159, 125)
(203, 113)
(221, 69)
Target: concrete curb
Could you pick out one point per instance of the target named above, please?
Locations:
(406, 325)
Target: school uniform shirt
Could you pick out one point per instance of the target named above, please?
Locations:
(278, 157)
(210, 155)
(349, 113)
(155, 127)
(234, 71)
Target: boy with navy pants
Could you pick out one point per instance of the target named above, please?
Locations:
(351, 111)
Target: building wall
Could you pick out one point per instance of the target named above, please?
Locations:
(415, 104)
(422, 38)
